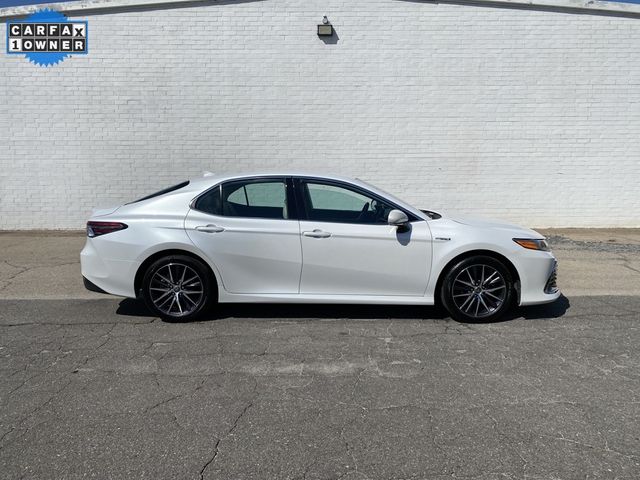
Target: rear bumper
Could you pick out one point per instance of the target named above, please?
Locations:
(107, 275)
(92, 286)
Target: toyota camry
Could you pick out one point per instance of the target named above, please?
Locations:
(300, 238)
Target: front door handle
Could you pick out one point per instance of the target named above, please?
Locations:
(317, 233)
(211, 228)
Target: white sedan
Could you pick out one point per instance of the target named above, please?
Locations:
(309, 239)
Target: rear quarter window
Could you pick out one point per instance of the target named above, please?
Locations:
(209, 202)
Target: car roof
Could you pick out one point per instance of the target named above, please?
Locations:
(213, 178)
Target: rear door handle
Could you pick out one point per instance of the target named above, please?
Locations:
(316, 234)
(211, 228)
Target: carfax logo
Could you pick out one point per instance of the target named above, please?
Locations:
(47, 37)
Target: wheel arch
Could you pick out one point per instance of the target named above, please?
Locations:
(472, 253)
(137, 283)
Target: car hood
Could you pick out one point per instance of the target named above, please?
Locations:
(486, 223)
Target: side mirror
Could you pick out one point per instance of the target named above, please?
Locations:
(397, 218)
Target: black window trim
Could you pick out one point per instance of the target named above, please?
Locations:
(295, 200)
(292, 209)
(348, 186)
(159, 193)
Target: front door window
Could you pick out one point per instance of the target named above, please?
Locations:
(334, 203)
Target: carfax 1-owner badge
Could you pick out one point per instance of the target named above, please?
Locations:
(47, 37)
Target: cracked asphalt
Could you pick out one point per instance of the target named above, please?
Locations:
(94, 387)
(98, 389)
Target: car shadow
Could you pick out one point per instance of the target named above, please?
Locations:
(137, 308)
(547, 311)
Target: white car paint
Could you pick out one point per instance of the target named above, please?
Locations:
(367, 260)
(267, 260)
(254, 255)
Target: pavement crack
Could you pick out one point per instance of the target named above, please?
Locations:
(8, 279)
(173, 397)
(216, 446)
(606, 448)
(71, 324)
(509, 442)
(349, 450)
(107, 337)
(211, 460)
(32, 413)
(24, 382)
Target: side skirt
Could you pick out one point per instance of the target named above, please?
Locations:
(225, 297)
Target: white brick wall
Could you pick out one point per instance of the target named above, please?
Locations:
(529, 116)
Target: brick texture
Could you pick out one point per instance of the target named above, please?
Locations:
(529, 116)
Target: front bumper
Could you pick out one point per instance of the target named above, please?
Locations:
(551, 286)
(538, 278)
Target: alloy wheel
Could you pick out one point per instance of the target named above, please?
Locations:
(479, 290)
(176, 289)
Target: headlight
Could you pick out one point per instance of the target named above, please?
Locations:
(532, 244)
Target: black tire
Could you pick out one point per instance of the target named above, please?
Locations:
(178, 288)
(477, 289)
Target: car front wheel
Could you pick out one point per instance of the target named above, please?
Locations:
(478, 288)
(177, 288)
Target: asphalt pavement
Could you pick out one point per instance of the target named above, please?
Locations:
(95, 387)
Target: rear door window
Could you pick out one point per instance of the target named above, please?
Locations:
(255, 199)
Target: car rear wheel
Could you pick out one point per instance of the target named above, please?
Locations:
(478, 288)
(177, 288)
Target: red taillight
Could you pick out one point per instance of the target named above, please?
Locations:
(95, 229)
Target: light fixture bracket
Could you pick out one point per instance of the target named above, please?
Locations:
(326, 29)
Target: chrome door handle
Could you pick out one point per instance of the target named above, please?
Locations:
(317, 234)
(211, 228)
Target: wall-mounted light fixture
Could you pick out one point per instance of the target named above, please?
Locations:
(326, 29)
